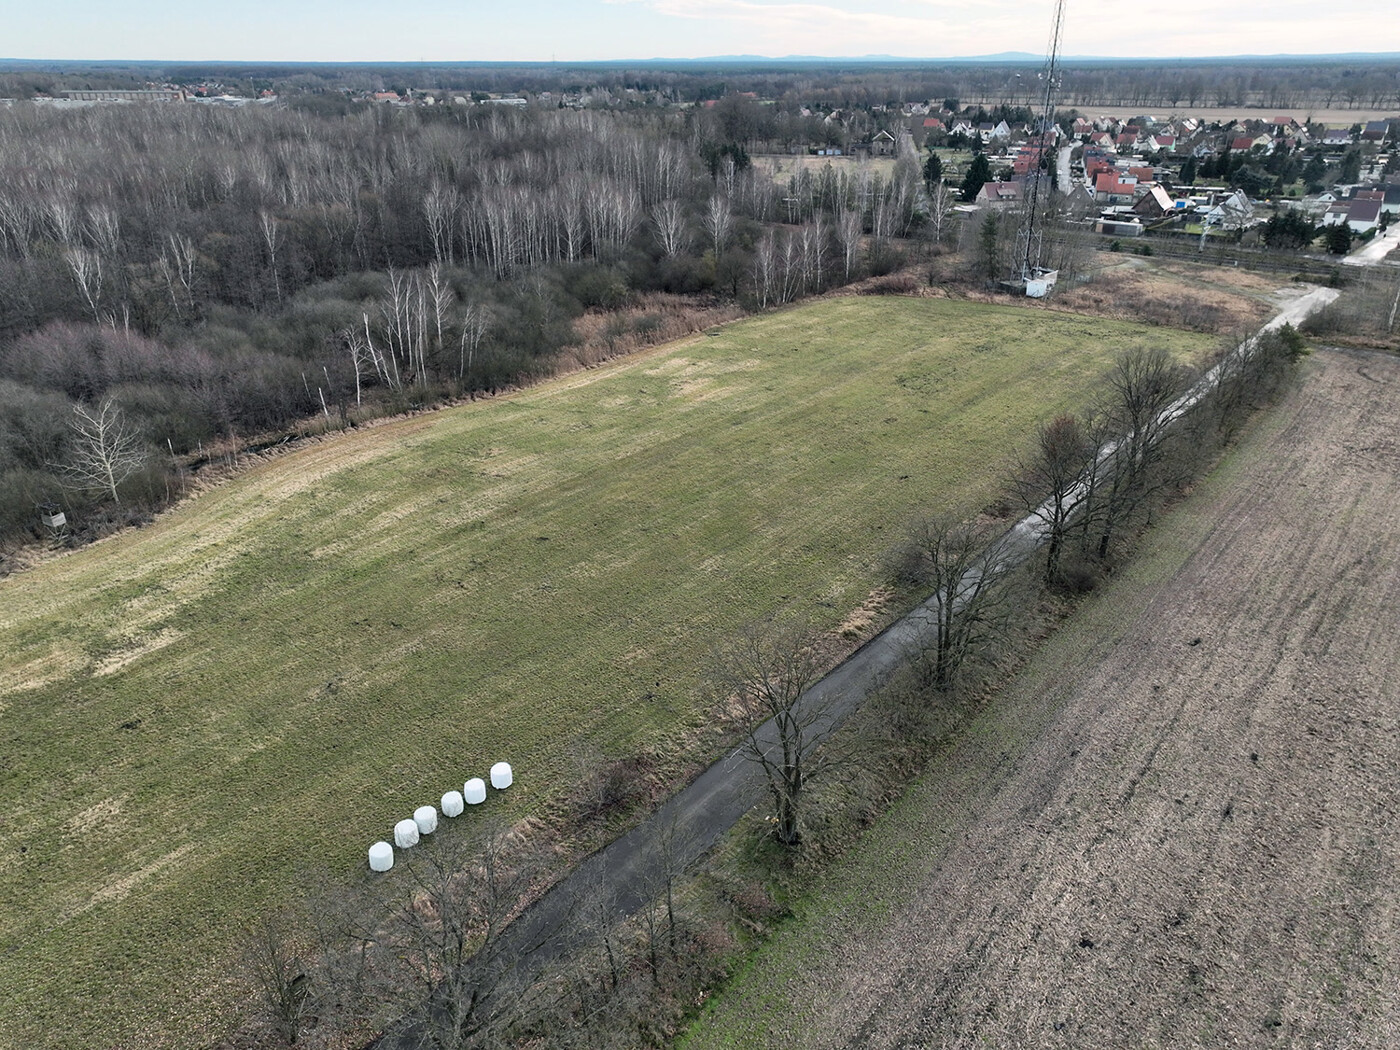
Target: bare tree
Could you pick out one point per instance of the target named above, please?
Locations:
(940, 207)
(272, 240)
(672, 235)
(670, 845)
(278, 974)
(1050, 483)
(763, 674)
(765, 270)
(431, 962)
(440, 206)
(86, 267)
(103, 229)
(106, 450)
(813, 251)
(718, 222)
(848, 230)
(441, 296)
(476, 322)
(963, 565)
(1143, 385)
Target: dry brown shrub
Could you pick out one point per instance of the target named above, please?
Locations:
(651, 318)
(892, 284)
(1165, 298)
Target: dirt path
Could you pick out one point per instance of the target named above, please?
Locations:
(1184, 833)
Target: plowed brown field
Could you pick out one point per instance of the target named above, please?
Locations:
(1180, 830)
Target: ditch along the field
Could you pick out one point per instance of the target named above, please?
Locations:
(260, 683)
(1177, 826)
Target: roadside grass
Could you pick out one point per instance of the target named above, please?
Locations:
(197, 714)
(774, 997)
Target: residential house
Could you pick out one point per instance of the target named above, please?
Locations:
(998, 132)
(1336, 213)
(1391, 204)
(1000, 195)
(1375, 131)
(1232, 212)
(1082, 127)
(1155, 203)
(1336, 138)
(882, 144)
(1027, 159)
(1363, 215)
(1095, 166)
(1111, 187)
(1317, 204)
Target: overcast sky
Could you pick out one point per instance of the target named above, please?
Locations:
(578, 30)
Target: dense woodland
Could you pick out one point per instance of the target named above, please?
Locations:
(215, 273)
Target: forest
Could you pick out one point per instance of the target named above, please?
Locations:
(205, 275)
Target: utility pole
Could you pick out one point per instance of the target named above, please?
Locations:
(1028, 240)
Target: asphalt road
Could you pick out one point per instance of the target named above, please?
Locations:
(1376, 249)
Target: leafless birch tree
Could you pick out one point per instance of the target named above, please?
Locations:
(106, 449)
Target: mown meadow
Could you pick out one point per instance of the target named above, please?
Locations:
(196, 713)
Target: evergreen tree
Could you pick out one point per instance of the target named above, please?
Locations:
(1314, 171)
(989, 246)
(933, 171)
(1339, 239)
(979, 173)
(1289, 229)
(1351, 166)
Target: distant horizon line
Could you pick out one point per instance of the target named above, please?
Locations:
(1008, 57)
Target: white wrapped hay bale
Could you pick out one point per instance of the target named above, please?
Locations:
(426, 819)
(452, 804)
(405, 834)
(474, 791)
(381, 857)
(501, 777)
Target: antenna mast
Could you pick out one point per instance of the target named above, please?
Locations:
(1028, 240)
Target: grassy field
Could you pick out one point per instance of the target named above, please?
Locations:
(1173, 829)
(272, 673)
(783, 165)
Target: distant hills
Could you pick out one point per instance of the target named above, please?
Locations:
(1025, 56)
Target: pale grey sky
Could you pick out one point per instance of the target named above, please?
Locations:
(577, 30)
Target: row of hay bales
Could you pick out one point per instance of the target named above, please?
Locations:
(425, 818)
